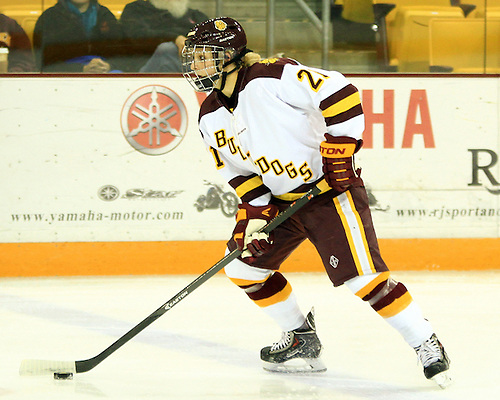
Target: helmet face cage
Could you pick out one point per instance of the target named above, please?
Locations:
(209, 47)
(202, 66)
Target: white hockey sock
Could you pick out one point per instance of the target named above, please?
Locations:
(270, 291)
(410, 323)
(286, 313)
(393, 302)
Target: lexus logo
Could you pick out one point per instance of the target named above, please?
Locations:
(154, 120)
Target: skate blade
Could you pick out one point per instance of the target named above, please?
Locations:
(296, 366)
(442, 379)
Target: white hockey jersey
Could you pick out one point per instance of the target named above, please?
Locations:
(268, 144)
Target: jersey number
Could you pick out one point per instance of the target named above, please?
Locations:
(315, 84)
(218, 162)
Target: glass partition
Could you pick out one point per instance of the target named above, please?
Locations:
(144, 36)
(96, 36)
(420, 36)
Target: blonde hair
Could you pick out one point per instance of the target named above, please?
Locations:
(250, 59)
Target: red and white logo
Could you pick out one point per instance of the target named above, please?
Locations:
(154, 120)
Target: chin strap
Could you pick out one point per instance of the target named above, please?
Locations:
(224, 77)
(237, 61)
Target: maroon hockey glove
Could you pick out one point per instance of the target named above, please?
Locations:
(338, 157)
(249, 220)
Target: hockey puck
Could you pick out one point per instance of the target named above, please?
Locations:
(63, 375)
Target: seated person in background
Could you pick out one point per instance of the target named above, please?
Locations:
(155, 31)
(77, 36)
(354, 25)
(13, 36)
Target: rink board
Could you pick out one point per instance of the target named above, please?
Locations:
(171, 257)
(88, 189)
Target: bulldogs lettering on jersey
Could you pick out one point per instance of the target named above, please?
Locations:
(281, 154)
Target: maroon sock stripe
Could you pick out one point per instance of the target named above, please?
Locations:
(391, 297)
(375, 291)
(275, 284)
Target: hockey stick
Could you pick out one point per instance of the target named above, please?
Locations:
(42, 367)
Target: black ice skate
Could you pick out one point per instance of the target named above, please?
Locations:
(297, 351)
(435, 361)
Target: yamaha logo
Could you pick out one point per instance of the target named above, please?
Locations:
(108, 193)
(154, 120)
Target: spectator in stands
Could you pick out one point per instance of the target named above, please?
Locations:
(13, 36)
(77, 36)
(155, 32)
(353, 23)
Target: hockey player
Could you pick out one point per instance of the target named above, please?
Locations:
(276, 128)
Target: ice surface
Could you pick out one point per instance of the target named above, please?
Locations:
(207, 346)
